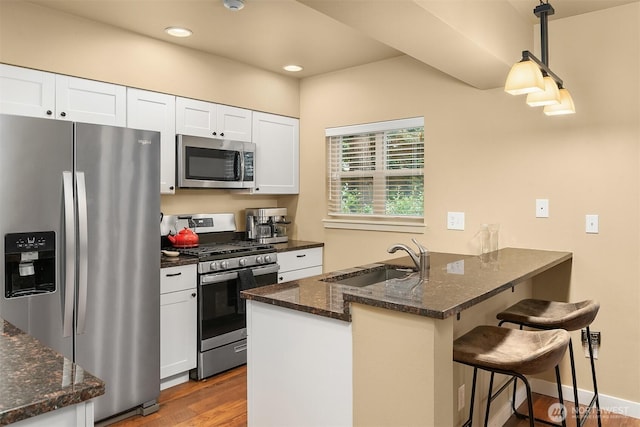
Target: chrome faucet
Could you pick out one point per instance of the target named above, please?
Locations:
(421, 261)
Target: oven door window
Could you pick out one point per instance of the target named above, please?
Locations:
(220, 309)
(212, 164)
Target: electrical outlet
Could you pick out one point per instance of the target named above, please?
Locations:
(455, 220)
(461, 397)
(596, 340)
(542, 208)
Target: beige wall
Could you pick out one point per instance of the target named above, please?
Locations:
(38, 37)
(490, 155)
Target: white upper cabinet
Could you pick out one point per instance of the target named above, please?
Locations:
(90, 101)
(234, 123)
(277, 142)
(27, 92)
(156, 111)
(209, 120)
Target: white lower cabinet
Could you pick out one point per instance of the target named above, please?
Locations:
(295, 265)
(78, 415)
(178, 324)
(299, 368)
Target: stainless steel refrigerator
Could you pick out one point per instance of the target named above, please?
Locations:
(79, 214)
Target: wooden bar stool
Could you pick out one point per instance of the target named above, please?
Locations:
(541, 314)
(512, 352)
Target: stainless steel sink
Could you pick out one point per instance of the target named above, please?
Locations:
(373, 277)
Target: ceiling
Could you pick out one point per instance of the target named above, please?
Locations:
(475, 41)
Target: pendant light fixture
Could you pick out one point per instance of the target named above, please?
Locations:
(533, 77)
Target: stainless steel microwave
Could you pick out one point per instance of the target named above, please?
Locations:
(214, 163)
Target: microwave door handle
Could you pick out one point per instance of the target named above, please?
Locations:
(239, 165)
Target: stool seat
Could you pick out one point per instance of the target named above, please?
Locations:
(504, 349)
(551, 314)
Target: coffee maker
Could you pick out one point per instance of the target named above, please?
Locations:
(267, 225)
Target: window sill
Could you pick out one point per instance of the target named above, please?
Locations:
(353, 224)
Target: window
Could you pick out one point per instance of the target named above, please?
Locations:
(376, 170)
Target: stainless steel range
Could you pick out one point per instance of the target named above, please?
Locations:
(227, 265)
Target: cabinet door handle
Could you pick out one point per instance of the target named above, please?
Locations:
(49, 112)
(173, 274)
(63, 114)
(301, 256)
(194, 295)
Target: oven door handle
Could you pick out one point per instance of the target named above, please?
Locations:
(207, 279)
(217, 278)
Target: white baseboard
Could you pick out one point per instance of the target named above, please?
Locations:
(613, 405)
(610, 404)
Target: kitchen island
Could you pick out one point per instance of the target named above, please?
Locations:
(41, 387)
(324, 353)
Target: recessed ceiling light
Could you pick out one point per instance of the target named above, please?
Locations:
(292, 68)
(178, 32)
(234, 5)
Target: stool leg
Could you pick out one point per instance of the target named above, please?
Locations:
(564, 409)
(529, 401)
(593, 375)
(576, 404)
(513, 401)
(489, 398)
(469, 422)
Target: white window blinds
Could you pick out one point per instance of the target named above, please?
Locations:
(377, 169)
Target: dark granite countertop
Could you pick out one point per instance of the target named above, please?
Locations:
(174, 261)
(34, 379)
(456, 282)
(296, 245)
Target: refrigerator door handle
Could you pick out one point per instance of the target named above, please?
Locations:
(83, 257)
(70, 253)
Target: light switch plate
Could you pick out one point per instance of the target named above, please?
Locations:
(592, 224)
(542, 208)
(455, 220)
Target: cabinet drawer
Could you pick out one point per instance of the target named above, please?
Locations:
(296, 260)
(178, 278)
(288, 276)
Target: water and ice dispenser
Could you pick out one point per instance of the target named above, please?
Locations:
(29, 263)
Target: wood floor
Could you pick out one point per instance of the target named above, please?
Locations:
(222, 401)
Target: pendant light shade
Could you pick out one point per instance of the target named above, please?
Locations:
(550, 96)
(564, 107)
(524, 77)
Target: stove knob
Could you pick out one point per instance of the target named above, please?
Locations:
(267, 258)
(258, 259)
(242, 262)
(214, 266)
(224, 265)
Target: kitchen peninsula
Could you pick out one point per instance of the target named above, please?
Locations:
(41, 387)
(325, 353)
